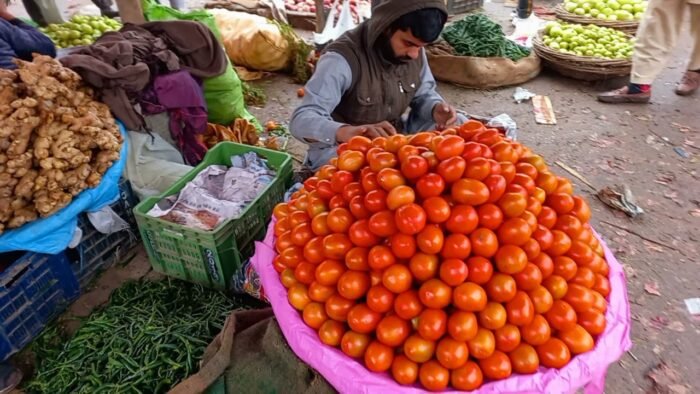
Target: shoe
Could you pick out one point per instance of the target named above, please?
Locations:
(10, 378)
(689, 83)
(622, 95)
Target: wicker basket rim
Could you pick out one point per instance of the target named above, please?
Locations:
(563, 14)
(550, 54)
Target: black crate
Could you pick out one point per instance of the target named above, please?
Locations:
(96, 251)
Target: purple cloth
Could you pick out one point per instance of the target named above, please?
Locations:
(182, 96)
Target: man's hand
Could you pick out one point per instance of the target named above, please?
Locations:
(371, 131)
(444, 116)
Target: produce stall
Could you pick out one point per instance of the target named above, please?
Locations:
(445, 260)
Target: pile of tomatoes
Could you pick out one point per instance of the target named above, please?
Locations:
(447, 258)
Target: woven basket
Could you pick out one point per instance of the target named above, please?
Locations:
(586, 68)
(627, 27)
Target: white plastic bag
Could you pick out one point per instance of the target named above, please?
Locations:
(107, 221)
(334, 30)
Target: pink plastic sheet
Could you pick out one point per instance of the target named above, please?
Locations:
(347, 375)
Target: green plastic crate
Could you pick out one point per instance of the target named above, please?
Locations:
(210, 258)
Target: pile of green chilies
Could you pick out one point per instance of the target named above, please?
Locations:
(477, 35)
(151, 336)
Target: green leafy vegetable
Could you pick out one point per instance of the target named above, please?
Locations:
(477, 35)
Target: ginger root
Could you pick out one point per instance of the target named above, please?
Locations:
(55, 140)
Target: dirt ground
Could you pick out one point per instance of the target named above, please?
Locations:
(611, 145)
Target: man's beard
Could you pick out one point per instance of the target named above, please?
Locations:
(387, 52)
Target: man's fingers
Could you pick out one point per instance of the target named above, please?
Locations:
(372, 133)
(387, 127)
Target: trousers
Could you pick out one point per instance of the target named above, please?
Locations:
(658, 35)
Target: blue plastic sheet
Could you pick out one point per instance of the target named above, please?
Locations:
(53, 234)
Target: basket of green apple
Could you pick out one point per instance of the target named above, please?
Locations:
(585, 52)
(622, 15)
(80, 30)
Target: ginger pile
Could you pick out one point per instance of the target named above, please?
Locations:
(55, 140)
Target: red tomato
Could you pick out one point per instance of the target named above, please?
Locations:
(375, 200)
(390, 178)
(408, 305)
(490, 216)
(339, 220)
(351, 190)
(354, 344)
(382, 160)
(410, 219)
(403, 370)
(319, 224)
(553, 353)
(450, 146)
(493, 316)
(565, 267)
(433, 376)
(469, 297)
(542, 300)
(468, 377)
(434, 293)
(430, 185)
(430, 240)
(298, 296)
(514, 231)
(417, 349)
(524, 359)
(314, 315)
(484, 242)
(423, 266)
(520, 309)
(356, 259)
(497, 366)
(331, 332)
(470, 192)
(393, 331)
(414, 167)
(513, 205)
(578, 340)
(383, 224)
(353, 284)
(380, 299)
(537, 332)
(403, 246)
(497, 187)
(463, 220)
(510, 259)
(478, 168)
(378, 357)
(560, 245)
(328, 272)
(561, 316)
(580, 298)
(397, 278)
(380, 257)
(480, 270)
(319, 292)
(400, 196)
(336, 246)
(437, 209)
(358, 209)
(451, 354)
(483, 344)
(432, 324)
(457, 246)
(592, 321)
(545, 264)
(360, 234)
(339, 180)
(451, 169)
(507, 338)
(529, 278)
(462, 326)
(313, 250)
(362, 319)
(501, 287)
(453, 272)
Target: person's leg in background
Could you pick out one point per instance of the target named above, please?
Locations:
(691, 80)
(34, 12)
(177, 4)
(105, 7)
(657, 36)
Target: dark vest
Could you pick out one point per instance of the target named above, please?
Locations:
(380, 90)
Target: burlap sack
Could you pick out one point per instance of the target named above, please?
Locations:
(483, 72)
(250, 355)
